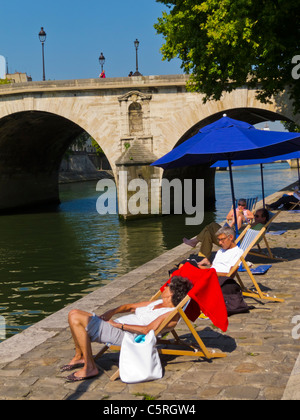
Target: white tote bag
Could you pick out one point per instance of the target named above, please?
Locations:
(139, 361)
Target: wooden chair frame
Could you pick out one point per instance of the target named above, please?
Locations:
(257, 293)
(259, 252)
(293, 205)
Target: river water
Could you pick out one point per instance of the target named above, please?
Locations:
(50, 259)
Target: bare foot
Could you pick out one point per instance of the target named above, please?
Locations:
(76, 360)
(85, 373)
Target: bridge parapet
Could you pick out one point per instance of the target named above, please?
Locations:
(133, 82)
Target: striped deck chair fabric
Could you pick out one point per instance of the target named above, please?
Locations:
(269, 253)
(248, 238)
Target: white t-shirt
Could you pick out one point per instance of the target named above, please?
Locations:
(226, 258)
(144, 315)
(296, 194)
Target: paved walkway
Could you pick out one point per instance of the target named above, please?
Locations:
(262, 346)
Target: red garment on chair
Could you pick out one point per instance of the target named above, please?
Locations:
(206, 295)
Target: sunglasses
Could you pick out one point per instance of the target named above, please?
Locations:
(223, 239)
(240, 204)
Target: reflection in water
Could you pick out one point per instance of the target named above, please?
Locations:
(48, 260)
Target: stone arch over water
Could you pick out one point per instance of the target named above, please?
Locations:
(32, 145)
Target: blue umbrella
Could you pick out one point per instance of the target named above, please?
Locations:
(224, 164)
(229, 139)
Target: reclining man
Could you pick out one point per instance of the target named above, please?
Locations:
(208, 236)
(286, 201)
(145, 316)
(227, 255)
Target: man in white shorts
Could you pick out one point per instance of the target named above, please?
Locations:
(87, 327)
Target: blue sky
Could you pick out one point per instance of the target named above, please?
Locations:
(77, 32)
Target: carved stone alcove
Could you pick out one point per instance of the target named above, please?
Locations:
(135, 114)
(135, 118)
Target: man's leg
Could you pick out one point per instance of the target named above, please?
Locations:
(286, 199)
(207, 237)
(78, 321)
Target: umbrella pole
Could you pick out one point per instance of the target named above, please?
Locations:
(298, 172)
(232, 195)
(262, 184)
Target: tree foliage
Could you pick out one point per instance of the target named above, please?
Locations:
(224, 44)
(4, 82)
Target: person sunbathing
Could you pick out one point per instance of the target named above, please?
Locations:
(208, 237)
(87, 327)
(243, 215)
(286, 201)
(227, 256)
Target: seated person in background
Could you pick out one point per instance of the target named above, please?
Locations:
(145, 316)
(285, 200)
(227, 256)
(244, 216)
(208, 237)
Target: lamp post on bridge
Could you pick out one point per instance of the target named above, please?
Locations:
(42, 37)
(136, 44)
(102, 61)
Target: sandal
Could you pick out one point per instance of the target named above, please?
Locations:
(66, 368)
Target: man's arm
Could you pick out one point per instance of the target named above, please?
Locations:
(128, 307)
(144, 329)
(205, 263)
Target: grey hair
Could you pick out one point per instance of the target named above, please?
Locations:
(226, 230)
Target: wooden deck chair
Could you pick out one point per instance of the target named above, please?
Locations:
(248, 239)
(212, 302)
(250, 203)
(269, 253)
(294, 205)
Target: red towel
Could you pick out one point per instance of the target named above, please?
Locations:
(207, 296)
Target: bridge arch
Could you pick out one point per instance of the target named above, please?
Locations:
(240, 104)
(32, 145)
(163, 114)
(252, 115)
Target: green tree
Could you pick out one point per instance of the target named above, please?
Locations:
(99, 150)
(4, 82)
(224, 44)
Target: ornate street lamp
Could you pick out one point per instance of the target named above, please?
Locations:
(101, 61)
(136, 44)
(42, 37)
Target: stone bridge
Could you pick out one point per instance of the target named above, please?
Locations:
(135, 120)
